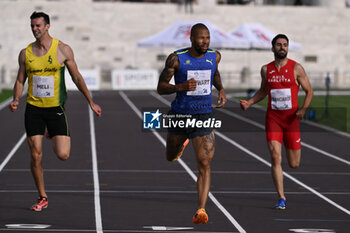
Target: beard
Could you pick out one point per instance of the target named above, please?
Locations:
(279, 55)
(199, 50)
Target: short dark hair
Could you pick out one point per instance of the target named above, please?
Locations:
(40, 14)
(197, 27)
(273, 42)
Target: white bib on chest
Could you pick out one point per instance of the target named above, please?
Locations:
(203, 81)
(281, 99)
(43, 86)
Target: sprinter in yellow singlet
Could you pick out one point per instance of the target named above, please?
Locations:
(43, 63)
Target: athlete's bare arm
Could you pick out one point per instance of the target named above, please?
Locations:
(260, 94)
(218, 84)
(20, 80)
(164, 86)
(68, 58)
(304, 82)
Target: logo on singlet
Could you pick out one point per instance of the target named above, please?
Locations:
(209, 61)
(50, 60)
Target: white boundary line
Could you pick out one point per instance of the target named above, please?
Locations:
(180, 171)
(13, 151)
(98, 218)
(183, 164)
(269, 165)
(171, 192)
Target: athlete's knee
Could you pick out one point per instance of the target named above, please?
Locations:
(36, 157)
(63, 155)
(276, 159)
(294, 164)
(204, 164)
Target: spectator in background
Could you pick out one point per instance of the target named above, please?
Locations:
(189, 4)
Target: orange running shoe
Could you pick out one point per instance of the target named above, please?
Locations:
(41, 204)
(200, 217)
(182, 150)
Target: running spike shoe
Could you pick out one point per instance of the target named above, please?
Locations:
(41, 204)
(200, 217)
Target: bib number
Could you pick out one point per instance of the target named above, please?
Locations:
(281, 99)
(43, 86)
(203, 82)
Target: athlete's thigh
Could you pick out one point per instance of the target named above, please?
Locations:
(174, 142)
(293, 157)
(35, 144)
(204, 146)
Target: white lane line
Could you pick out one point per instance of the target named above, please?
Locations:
(111, 230)
(269, 165)
(98, 218)
(183, 164)
(180, 171)
(12, 152)
(229, 140)
(172, 192)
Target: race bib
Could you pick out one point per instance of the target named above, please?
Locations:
(281, 99)
(203, 81)
(43, 86)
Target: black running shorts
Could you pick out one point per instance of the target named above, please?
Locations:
(36, 119)
(191, 132)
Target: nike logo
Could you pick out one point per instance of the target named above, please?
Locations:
(209, 61)
(30, 61)
(59, 113)
(297, 141)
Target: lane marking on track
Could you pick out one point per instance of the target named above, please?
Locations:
(164, 228)
(180, 171)
(27, 226)
(237, 145)
(13, 151)
(110, 230)
(98, 218)
(184, 165)
(308, 230)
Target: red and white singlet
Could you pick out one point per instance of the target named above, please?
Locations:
(281, 121)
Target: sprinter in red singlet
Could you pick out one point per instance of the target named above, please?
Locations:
(280, 80)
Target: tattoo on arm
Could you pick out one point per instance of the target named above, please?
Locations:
(170, 66)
